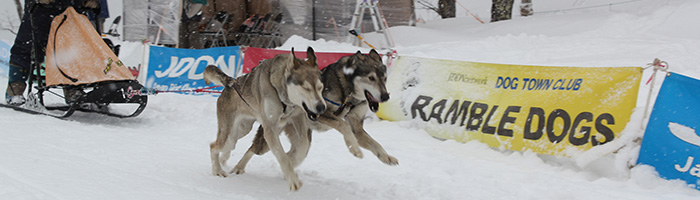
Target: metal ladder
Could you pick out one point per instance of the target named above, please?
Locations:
(356, 22)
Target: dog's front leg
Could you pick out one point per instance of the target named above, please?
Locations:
(271, 132)
(344, 128)
(300, 136)
(369, 143)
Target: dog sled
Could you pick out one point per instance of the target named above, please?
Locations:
(81, 73)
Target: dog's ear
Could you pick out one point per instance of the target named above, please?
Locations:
(296, 63)
(310, 56)
(292, 57)
(359, 55)
(374, 55)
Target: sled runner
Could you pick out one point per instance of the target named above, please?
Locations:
(82, 72)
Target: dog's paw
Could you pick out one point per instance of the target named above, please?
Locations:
(238, 170)
(218, 172)
(294, 184)
(389, 160)
(355, 151)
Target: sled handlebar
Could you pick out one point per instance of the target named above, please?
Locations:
(62, 5)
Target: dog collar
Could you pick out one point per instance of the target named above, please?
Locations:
(346, 103)
(331, 101)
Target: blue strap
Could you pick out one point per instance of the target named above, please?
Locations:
(332, 102)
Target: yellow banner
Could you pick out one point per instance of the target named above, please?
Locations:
(549, 110)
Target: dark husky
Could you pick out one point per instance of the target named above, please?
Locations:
(274, 93)
(351, 87)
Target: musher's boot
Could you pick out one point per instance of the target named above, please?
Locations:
(13, 93)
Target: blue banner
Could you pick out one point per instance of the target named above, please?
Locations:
(671, 142)
(173, 69)
(4, 58)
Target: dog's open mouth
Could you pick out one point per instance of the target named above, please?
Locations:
(371, 101)
(311, 115)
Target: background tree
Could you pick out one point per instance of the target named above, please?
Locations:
(501, 10)
(446, 8)
(19, 9)
(526, 8)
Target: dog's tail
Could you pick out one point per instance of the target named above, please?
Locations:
(213, 74)
(259, 145)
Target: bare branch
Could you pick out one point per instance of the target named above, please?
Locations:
(9, 23)
(9, 29)
(428, 5)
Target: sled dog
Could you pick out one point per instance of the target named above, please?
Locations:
(352, 85)
(278, 90)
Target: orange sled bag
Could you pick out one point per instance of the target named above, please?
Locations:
(76, 54)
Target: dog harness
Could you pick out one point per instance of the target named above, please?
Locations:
(346, 103)
(233, 85)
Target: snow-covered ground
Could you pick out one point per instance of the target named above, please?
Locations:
(164, 152)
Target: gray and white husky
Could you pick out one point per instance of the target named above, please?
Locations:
(352, 86)
(277, 92)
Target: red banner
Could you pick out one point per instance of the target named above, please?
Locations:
(253, 56)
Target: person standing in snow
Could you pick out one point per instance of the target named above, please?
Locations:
(104, 14)
(21, 51)
(189, 24)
